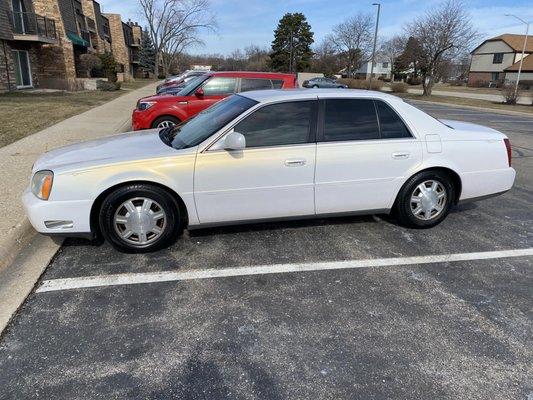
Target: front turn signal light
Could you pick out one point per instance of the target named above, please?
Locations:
(41, 184)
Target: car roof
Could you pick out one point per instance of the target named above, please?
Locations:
(265, 96)
(252, 74)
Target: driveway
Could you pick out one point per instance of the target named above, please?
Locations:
(343, 308)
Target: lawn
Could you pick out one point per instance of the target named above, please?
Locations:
(467, 102)
(23, 113)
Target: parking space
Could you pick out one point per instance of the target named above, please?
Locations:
(447, 327)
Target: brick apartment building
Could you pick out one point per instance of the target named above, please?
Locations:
(126, 46)
(41, 42)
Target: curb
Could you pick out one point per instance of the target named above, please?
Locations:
(18, 238)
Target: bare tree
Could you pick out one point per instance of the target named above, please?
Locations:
(353, 39)
(175, 25)
(391, 49)
(326, 58)
(441, 33)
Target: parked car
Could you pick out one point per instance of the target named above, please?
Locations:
(200, 93)
(265, 155)
(323, 83)
(180, 80)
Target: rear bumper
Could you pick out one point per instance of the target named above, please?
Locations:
(484, 184)
(58, 218)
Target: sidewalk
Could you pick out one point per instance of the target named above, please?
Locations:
(17, 159)
(479, 96)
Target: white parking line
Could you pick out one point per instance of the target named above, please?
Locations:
(168, 276)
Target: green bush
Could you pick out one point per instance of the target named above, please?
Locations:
(399, 87)
(109, 66)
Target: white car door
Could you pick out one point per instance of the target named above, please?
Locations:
(364, 153)
(272, 177)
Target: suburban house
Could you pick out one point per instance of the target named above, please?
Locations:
(382, 69)
(41, 42)
(497, 60)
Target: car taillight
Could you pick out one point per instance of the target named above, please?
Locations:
(509, 150)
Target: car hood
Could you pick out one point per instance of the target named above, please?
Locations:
(163, 97)
(109, 150)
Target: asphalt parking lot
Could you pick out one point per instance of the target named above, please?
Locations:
(428, 328)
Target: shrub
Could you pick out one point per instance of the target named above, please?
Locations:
(510, 96)
(90, 62)
(414, 81)
(362, 83)
(399, 87)
(108, 86)
(456, 82)
(526, 85)
(109, 66)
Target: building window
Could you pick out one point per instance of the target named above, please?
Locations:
(497, 58)
(495, 76)
(385, 65)
(21, 61)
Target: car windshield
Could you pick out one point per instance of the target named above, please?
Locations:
(195, 130)
(192, 84)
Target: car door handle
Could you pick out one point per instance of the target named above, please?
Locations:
(294, 162)
(400, 155)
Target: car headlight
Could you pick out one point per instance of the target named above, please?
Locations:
(41, 184)
(145, 105)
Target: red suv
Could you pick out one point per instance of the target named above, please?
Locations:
(200, 93)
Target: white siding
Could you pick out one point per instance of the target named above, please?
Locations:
(483, 57)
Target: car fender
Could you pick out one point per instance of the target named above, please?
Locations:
(174, 110)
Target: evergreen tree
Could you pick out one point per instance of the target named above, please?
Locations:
(291, 48)
(147, 53)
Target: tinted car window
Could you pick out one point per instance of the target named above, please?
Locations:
(350, 119)
(390, 123)
(219, 86)
(278, 124)
(255, 84)
(277, 83)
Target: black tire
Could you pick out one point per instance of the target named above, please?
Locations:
(164, 118)
(170, 229)
(404, 207)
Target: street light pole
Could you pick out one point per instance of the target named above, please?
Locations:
(374, 49)
(523, 52)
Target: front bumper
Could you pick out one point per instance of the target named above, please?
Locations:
(61, 218)
(140, 120)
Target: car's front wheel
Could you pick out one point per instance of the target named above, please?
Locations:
(425, 199)
(139, 218)
(166, 121)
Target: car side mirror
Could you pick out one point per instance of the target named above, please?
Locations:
(199, 92)
(234, 141)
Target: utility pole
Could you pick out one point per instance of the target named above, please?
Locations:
(374, 49)
(523, 53)
(291, 52)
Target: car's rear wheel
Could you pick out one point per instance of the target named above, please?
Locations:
(166, 121)
(139, 218)
(425, 200)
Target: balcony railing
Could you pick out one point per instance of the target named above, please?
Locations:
(91, 24)
(85, 35)
(31, 24)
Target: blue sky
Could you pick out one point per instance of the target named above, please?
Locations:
(243, 22)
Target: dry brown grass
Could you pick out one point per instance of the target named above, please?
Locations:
(468, 102)
(22, 114)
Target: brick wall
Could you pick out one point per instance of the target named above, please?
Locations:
(56, 67)
(7, 72)
(118, 44)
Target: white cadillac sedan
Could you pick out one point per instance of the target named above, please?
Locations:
(266, 155)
